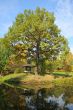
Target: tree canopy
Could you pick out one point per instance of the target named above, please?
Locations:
(40, 36)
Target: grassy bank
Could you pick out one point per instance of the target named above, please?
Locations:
(29, 80)
(9, 77)
(24, 80)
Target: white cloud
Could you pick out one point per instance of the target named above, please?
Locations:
(71, 49)
(64, 17)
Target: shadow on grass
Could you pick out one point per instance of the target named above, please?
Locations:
(14, 81)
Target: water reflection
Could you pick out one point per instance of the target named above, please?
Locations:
(42, 99)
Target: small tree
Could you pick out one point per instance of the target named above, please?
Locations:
(68, 63)
(4, 55)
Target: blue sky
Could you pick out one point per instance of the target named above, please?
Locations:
(62, 9)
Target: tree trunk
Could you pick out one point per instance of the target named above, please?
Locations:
(38, 56)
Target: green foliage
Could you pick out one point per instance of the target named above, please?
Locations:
(19, 70)
(68, 62)
(51, 66)
(68, 68)
(4, 54)
(39, 34)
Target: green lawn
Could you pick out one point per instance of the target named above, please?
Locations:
(58, 73)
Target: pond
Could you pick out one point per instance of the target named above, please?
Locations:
(54, 98)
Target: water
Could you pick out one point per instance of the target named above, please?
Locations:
(35, 99)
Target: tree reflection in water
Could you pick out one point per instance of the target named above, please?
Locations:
(43, 99)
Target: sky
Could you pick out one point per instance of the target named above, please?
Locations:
(62, 10)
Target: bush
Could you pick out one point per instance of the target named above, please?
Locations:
(19, 70)
(68, 68)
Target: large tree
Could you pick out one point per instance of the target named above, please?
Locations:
(39, 34)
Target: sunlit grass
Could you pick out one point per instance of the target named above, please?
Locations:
(24, 79)
(65, 82)
(61, 73)
(7, 77)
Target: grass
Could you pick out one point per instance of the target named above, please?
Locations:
(64, 82)
(26, 77)
(61, 73)
(23, 80)
(28, 80)
(10, 76)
